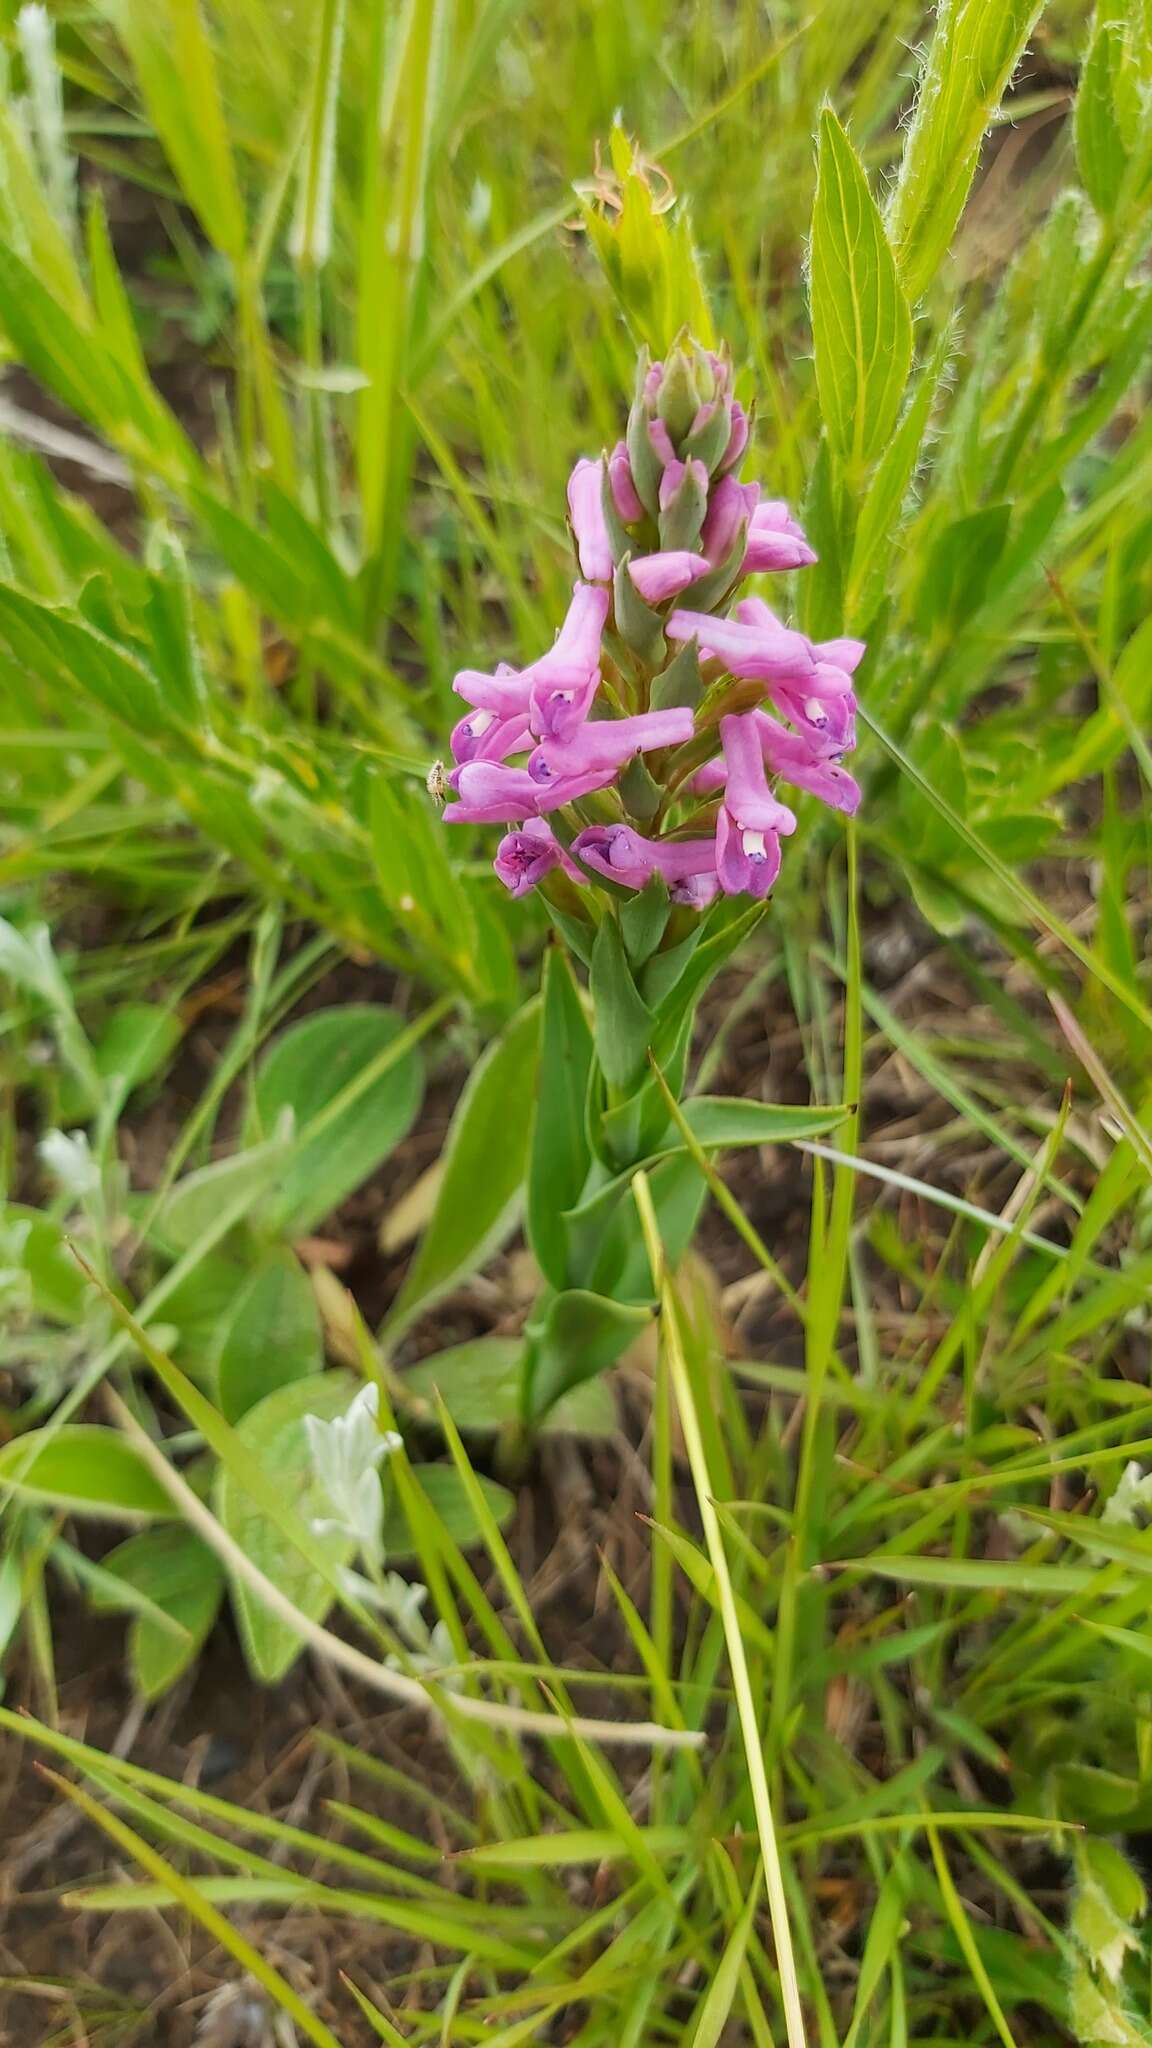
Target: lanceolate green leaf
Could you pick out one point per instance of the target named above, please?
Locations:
(976, 45)
(1100, 148)
(861, 325)
(560, 1157)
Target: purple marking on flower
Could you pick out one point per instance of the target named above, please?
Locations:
(564, 681)
(629, 858)
(790, 756)
(484, 736)
(658, 577)
(775, 540)
(524, 857)
(751, 819)
(586, 511)
(730, 504)
(754, 650)
(821, 704)
(674, 476)
(653, 379)
(737, 439)
(490, 794)
(697, 891)
(505, 692)
(747, 863)
(597, 752)
(624, 495)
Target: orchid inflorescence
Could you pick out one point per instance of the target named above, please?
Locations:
(602, 755)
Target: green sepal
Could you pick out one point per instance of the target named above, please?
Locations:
(680, 685)
(577, 936)
(643, 919)
(619, 539)
(640, 628)
(646, 466)
(640, 794)
(706, 593)
(708, 443)
(678, 400)
(683, 516)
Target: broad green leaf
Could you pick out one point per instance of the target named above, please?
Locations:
(271, 1336)
(560, 1156)
(274, 1433)
(481, 1382)
(861, 325)
(1100, 150)
(33, 1244)
(352, 1100)
(176, 1571)
(243, 1181)
(449, 1502)
(579, 1335)
(85, 1468)
(974, 51)
(135, 1044)
(484, 1159)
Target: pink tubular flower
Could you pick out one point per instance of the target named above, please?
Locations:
(586, 511)
(524, 857)
(731, 503)
(751, 819)
(599, 750)
(790, 757)
(775, 541)
(485, 736)
(661, 576)
(562, 684)
(821, 704)
(622, 487)
(505, 693)
(488, 793)
(752, 649)
(627, 857)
